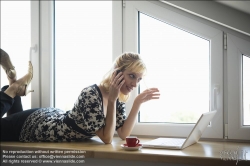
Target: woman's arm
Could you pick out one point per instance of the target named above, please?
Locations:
(107, 132)
(128, 125)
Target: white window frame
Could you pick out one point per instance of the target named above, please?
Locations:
(236, 47)
(46, 59)
(117, 35)
(35, 53)
(130, 37)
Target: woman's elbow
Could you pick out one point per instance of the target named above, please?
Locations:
(107, 140)
(123, 137)
(122, 134)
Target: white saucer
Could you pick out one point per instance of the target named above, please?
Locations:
(137, 147)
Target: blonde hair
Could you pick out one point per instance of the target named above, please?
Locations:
(127, 61)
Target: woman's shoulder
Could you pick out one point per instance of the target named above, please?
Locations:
(92, 90)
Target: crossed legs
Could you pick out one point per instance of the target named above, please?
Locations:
(10, 95)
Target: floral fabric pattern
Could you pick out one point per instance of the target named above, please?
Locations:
(86, 117)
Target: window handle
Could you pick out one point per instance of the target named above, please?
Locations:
(215, 96)
(32, 49)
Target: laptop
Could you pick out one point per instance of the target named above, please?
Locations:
(181, 143)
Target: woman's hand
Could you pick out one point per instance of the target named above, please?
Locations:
(116, 82)
(148, 94)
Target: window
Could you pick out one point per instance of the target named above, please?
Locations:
(178, 64)
(83, 47)
(246, 89)
(238, 87)
(16, 41)
(224, 72)
(186, 69)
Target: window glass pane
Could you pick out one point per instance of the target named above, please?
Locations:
(83, 47)
(16, 39)
(246, 90)
(178, 64)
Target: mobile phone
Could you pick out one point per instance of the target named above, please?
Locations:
(117, 72)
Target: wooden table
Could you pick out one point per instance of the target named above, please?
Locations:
(202, 153)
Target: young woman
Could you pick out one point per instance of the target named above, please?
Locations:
(99, 109)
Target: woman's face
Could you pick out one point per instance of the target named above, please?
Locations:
(132, 79)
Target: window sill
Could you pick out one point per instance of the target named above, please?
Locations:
(202, 153)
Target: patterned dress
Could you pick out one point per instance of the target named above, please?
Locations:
(86, 117)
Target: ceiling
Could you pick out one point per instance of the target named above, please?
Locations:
(240, 5)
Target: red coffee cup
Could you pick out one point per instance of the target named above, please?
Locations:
(132, 141)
